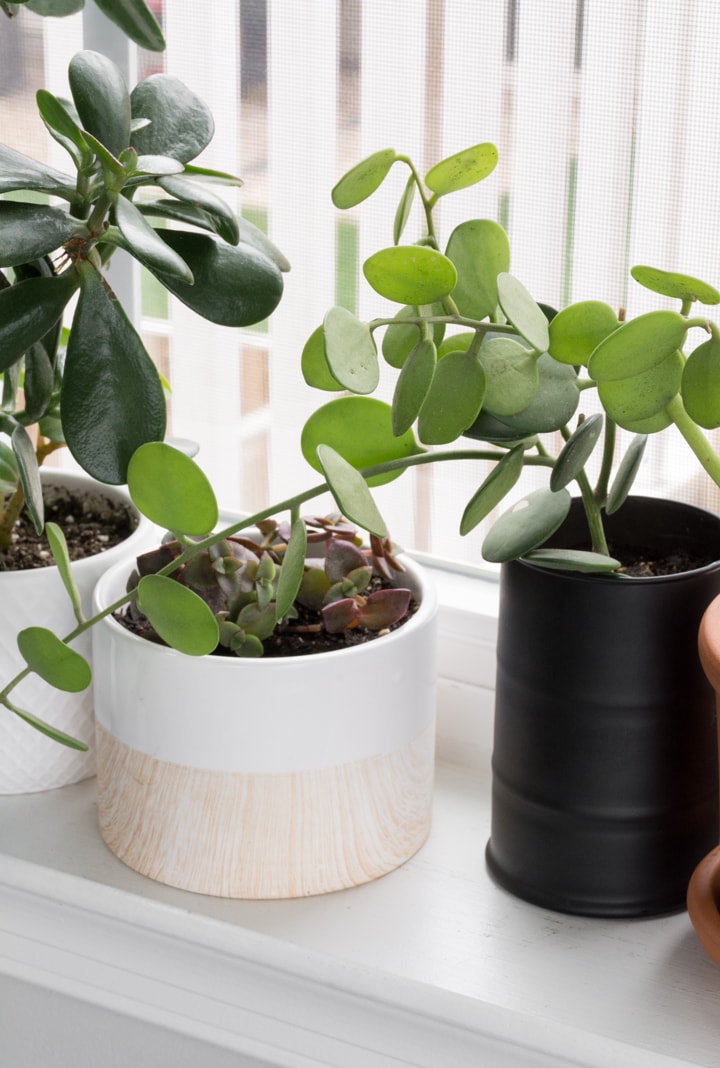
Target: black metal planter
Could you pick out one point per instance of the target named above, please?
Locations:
(605, 770)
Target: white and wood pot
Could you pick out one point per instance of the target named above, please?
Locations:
(29, 761)
(267, 778)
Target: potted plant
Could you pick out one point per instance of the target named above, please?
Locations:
(605, 769)
(94, 387)
(133, 17)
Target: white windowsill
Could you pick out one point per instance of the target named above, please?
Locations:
(431, 966)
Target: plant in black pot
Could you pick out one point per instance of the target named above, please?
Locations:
(605, 766)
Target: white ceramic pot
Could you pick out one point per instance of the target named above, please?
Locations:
(267, 778)
(29, 761)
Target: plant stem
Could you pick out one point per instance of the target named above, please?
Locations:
(695, 438)
(601, 486)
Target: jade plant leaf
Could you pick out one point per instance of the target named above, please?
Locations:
(314, 364)
(526, 525)
(363, 179)
(56, 8)
(181, 124)
(523, 312)
(454, 399)
(588, 563)
(629, 401)
(576, 331)
(637, 345)
(21, 172)
(179, 615)
(136, 20)
(59, 550)
(480, 251)
(28, 310)
(171, 490)
(192, 192)
(701, 384)
(494, 488)
(101, 98)
(62, 126)
(413, 385)
(29, 231)
(350, 351)
(401, 337)
(410, 274)
(53, 661)
(576, 452)
(626, 473)
(351, 492)
(144, 243)
(511, 375)
(463, 169)
(29, 474)
(671, 284)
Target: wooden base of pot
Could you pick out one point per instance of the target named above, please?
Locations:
(264, 835)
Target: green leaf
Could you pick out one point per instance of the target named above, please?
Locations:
(21, 172)
(410, 274)
(351, 492)
(46, 728)
(364, 178)
(28, 310)
(54, 8)
(59, 550)
(526, 525)
(578, 329)
(587, 563)
(631, 400)
(314, 364)
(181, 124)
(463, 169)
(350, 351)
(53, 661)
(401, 337)
(136, 20)
(38, 384)
(551, 408)
(181, 618)
(29, 473)
(193, 193)
(671, 284)
(523, 312)
(701, 384)
(576, 452)
(156, 166)
(112, 398)
(171, 490)
(626, 472)
(253, 235)
(637, 346)
(413, 385)
(360, 429)
(480, 250)
(511, 375)
(494, 488)
(292, 570)
(101, 98)
(404, 208)
(62, 126)
(453, 400)
(146, 245)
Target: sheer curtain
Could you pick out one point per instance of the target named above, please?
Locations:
(604, 115)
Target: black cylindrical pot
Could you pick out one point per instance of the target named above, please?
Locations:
(605, 769)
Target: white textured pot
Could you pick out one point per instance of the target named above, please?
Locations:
(29, 761)
(267, 778)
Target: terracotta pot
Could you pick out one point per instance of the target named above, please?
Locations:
(276, 777)
(28, 760)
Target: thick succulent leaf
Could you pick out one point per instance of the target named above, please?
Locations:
(453, 400)
(587, 563)
(253, 235)
(158, 165)
(511, 375)
(401, 337)
(21, 172)
(637, 346)
(360, 429)
(46, 728)
(171, 490)
(526, 525)
(701, 384)
(101, 98)
(552, 407)
(54, 8)
(630, 400)
(181, 124)
(8, 466)
(402, 213)
(178, 614)
(578, 329)
(384, 608)
(480, 250)
(59, 549)
(38, 384)
(493, 489)
(626, 473)
(413, 385)
(463, 169)
(193, 193)
(29, 231)
(292, 570)
(314, 364)
(146, 245)
(234, 286)
(410, 274)
(136, 20)
(112, 399)
(350, 491)
(523, 312)
(53, 661)
(28, 310)
(62, 125)
(364, 178)
(350, 351)
(29, 472)
(576, 452)
(671, 284)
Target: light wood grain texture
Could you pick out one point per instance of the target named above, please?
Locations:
(264, 836)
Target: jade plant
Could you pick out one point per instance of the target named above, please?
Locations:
(479, 358)
(133, 186)
(133, 17)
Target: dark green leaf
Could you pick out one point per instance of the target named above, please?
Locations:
(453, 400)
(55, 8)
(413, 385)
(136, 20)
(526, 525)
(253, 235)
(146, 245)
(523, 312)
(21, 172)
(577, 330)
(181, 123)
(576, 452)
(193, 193)
(29, 231)
(38, 384)
(53, 661)
(62, 126)
(171, 490)
(28, 310)
(158, 165)
(480, 250)
(637, 346)
(101, 98)
(178, 614)
(626, 472)
(494, 488)
(350, 491)
(350, 351)
(587, 563)
(701, 384)
(671, 284)
(410, 274)
(27, 466)
(364, 178)
(463, 169)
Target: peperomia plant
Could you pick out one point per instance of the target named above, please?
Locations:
(133, 17)
(479, 358)
(134, 188)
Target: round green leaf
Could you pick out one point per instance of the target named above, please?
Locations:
(401, 337)
(511, 375)
(364, 178)
(410, 274)
(629, 401)
(576, 452)
(637, 345)
(480, 250)
(494, 488)
(181, 124)
(626, 472)
(578, 329)
(552, 407)
(101, 98)
(413, 385)
(671, 284)
(314, 364)
(525, 526)
(701, 384)
(350, 491)
(171, 490)
(465, 168)
(360, 429)
(523, 312)
(587, 563)
(350, 351)
(453, 400)
(181, 618)
(53, 661)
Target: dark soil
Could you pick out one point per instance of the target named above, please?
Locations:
(639, 566)
(91, 524)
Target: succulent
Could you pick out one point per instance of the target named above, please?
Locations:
(133, 17)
